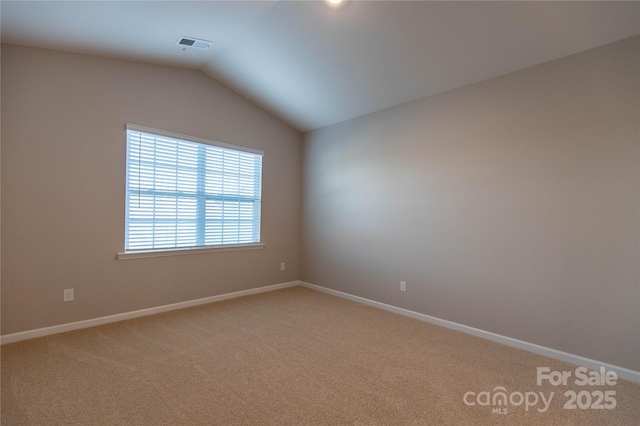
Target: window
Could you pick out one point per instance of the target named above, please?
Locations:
(188, 193)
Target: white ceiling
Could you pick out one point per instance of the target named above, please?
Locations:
(313, 65)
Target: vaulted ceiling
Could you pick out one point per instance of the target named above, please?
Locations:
(313, 65)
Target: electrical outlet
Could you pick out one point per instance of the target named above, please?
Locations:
(403, 286)
(283, 266)
(67, 295)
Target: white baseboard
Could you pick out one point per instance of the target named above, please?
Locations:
(40, 332)
(623, 373)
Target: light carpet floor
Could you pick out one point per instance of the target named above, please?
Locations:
(288, 357)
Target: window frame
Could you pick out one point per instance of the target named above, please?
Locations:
(171, 251)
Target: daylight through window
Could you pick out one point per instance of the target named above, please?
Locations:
(185, 192)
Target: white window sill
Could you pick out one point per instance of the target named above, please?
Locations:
(188, 250)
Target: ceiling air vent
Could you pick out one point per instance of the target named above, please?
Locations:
(193, 42)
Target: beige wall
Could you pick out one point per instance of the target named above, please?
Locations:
(63, 177)
(511, 205)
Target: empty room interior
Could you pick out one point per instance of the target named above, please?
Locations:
(320, 212)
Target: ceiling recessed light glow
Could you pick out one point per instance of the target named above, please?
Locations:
(335, 3)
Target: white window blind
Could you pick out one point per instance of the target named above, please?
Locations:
(182, 193)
